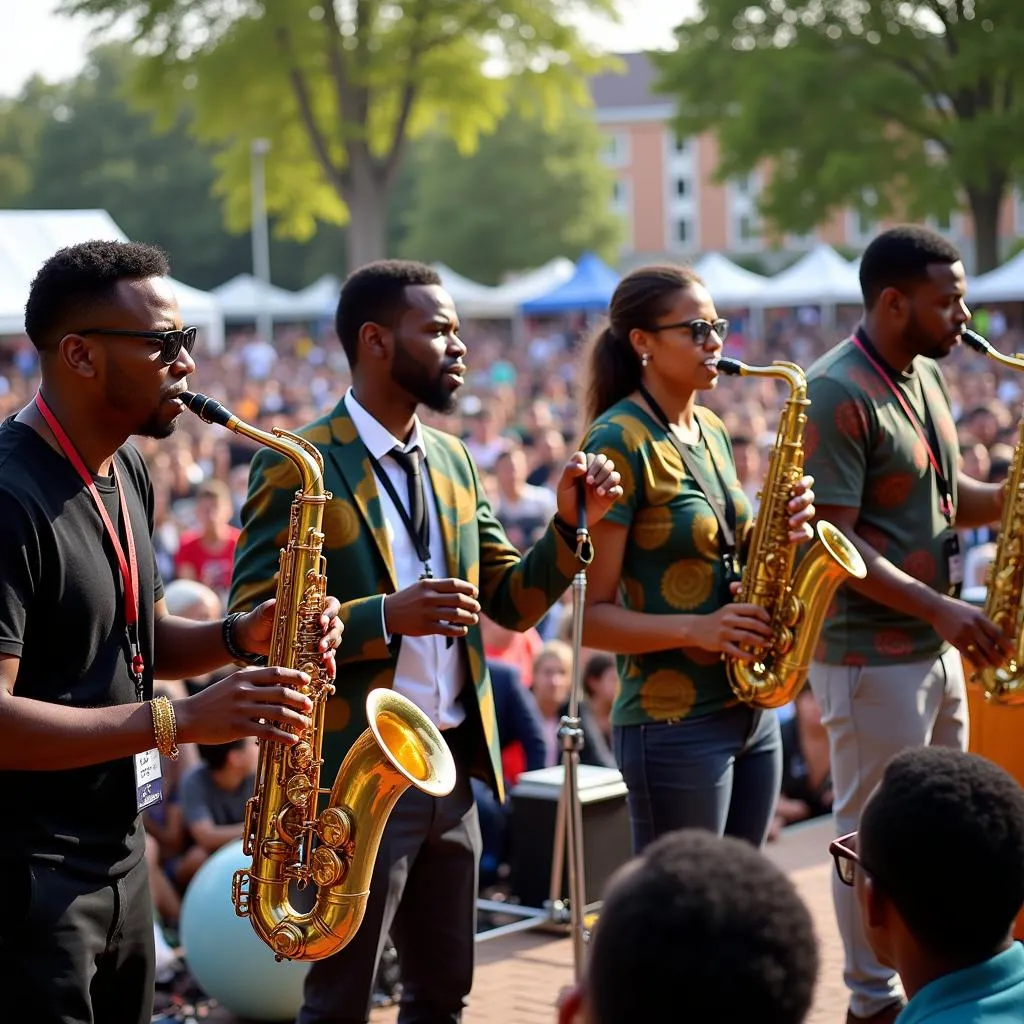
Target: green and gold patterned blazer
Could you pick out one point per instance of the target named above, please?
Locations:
(515, 590)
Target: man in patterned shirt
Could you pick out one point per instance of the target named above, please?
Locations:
(882, 447)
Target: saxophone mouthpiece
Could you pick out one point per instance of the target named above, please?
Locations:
(733, 367)
(976, 341)
(206, 408)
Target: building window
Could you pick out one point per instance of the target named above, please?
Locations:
(745, 228)
(684, 231)
(615, 150)
(745, 186)
(682, 187)
(683, 144)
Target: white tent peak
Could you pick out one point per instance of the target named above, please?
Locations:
(821, 276)
(729, 283)
(1003, 284)
(243, 294)
(30, 237)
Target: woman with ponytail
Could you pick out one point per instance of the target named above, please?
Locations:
(668, 557)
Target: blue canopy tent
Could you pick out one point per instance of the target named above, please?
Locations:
(588, 290)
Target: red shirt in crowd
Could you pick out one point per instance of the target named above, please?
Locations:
(209, 566)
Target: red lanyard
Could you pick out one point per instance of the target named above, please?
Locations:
(128, 565)
(946, 501)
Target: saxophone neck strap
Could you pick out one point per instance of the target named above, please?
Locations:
(723, 507)
(929, 440)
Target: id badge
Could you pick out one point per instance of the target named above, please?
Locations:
(148, 786)
(954, 562)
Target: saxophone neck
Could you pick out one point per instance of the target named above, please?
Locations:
(303, 455)
(781, 369)
(974, 340)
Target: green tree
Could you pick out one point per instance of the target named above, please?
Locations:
(896, 108)
(22, 118)
(81, 145)
(525, 196)
(340, 87)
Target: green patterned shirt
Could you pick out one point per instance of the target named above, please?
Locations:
(864, 453)
(672, 562)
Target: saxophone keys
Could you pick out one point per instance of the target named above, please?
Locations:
(792, 610)
(327, 867)
(301, 756)
(299, 790)
(783, 642)
(335, 827)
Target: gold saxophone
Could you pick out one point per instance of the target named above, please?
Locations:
(797, 604)
(1005, 586)
(287, 839)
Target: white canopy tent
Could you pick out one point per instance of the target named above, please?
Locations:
(502, 302)
(243, 297)
(729, 284)
(821, 278)
(29, 237)
(319, 300)
(472, 300)
(1004, 284)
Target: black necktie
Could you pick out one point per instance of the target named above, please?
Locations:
(410, 462)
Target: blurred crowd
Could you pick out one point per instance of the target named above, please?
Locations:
(518, 415)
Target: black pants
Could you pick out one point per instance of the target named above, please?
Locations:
(423, 892)
(79, 951)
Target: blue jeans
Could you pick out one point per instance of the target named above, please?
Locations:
(719, 772)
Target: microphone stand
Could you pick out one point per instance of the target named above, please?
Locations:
(568, 837)
(570, 732)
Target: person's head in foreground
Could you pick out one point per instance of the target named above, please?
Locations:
(698, 929)
(938, 863)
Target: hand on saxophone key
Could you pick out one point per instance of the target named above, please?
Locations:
(734, 625)
(801, 509)
(261, 702)
(968, 629)
(254, 630)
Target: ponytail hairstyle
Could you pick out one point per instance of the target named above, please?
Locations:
(613, 367)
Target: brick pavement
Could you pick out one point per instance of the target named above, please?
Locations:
(518, 976)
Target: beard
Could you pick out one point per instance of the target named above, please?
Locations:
(123, 399)
(923, 341)
(411, 375)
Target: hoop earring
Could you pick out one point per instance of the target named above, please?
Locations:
(644, 360)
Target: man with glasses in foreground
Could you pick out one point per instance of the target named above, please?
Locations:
(84, 629)
(938, 871)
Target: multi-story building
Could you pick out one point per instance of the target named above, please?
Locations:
(671, 204)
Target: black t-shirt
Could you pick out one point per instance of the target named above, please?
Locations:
(62, 614)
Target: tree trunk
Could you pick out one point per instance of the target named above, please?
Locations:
(985, 209)
(366, 195)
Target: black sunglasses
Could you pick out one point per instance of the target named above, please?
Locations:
(171, 342)
(700, 330)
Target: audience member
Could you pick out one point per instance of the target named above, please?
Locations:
(938, 869)
(698, 929)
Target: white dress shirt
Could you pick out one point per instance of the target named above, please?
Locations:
(430, 671)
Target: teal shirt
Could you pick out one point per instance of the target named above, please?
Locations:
(991, 992)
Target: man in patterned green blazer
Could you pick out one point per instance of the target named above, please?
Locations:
(413, 552)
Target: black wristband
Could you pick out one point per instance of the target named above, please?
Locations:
(227, 632)
(565, 531)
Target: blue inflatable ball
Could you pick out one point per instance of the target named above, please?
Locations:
(227, 959)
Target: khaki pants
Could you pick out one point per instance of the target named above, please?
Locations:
(871, 714)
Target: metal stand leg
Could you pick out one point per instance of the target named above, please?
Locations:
(568, 837)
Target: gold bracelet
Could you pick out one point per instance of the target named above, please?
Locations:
(165, 728)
